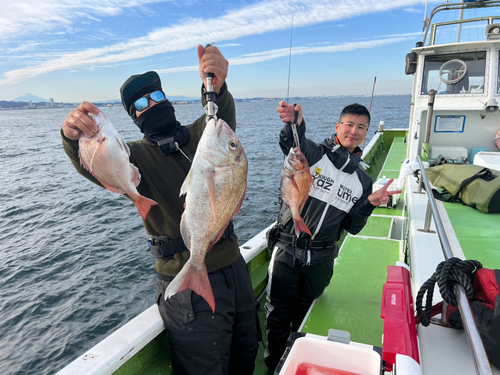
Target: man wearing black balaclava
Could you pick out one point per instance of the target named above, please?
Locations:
(201, 342)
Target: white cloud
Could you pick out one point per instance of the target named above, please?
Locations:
(36, 16)
(413, 10)
(228, 45)
(253, 58)
(255, 19)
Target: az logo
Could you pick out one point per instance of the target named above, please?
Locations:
(317, 172)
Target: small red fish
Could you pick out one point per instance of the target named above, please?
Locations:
(296, 183)
(106, 156)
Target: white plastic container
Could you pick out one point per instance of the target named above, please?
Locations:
(489, 160)
(333, 355)
(452, 152)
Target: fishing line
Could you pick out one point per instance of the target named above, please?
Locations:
(294, 124)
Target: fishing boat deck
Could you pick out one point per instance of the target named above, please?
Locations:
(352, 301)
(477, 233)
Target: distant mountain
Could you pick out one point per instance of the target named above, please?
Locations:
(28, 97)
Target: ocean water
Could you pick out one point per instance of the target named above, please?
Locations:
(74, 264)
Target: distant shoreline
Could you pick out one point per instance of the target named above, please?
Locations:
(9, 105)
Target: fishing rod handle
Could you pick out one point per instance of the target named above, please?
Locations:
(209, 76)
(296, 116)
(294, 127)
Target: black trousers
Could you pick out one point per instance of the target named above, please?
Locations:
(206, 343)
(292, 287)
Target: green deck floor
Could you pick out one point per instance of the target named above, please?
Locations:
(391, 169)
(477, 233)
(352, 300)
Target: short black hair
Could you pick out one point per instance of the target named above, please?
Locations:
(356, 109)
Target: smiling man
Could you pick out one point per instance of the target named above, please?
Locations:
(341, 199)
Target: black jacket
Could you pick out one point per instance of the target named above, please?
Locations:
(350, 209)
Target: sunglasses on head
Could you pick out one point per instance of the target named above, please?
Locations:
(142, 103)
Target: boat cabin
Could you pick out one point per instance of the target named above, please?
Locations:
(461, 64)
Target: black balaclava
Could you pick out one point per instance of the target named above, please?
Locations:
(159, 123)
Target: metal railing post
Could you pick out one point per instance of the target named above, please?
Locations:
(426, 148)
(427, 222)
(478, 352)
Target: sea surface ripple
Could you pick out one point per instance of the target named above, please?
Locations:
(74, 264)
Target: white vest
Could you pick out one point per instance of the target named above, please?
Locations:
(324, 174)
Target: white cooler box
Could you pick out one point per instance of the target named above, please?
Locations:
(309, 354)
(452, 152)
(488, 159)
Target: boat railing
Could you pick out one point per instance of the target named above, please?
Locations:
(478, 351)
(457, 6)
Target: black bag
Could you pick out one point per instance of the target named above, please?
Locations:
(470, 184)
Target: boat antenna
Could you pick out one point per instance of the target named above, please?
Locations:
(371, 101)
(294, 124)
(425, 16)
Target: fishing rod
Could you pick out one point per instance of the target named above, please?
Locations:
(210, 95)
(373, 90)
(371, 101)
(294, 124)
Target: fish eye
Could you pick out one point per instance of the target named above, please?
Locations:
(232, 145)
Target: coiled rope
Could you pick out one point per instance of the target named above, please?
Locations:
(448, 272)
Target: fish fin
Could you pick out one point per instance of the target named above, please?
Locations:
(186, 183)
(294, 183)
(123, 145)
(100, 140)
(136, 176)
(82, 161)
(194, 278)
(300, 226)
(311, 185)
(210, 182)
(240, 203)
(109, 187)
(186, 235)
(143, 204)
(236, 211)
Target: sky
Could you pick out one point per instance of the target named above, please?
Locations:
(76, 50)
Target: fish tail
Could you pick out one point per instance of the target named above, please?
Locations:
(144, 204)
(194, 278)
(300, 226)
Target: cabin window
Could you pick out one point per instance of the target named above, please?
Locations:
(440, 73)
(467, 31)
